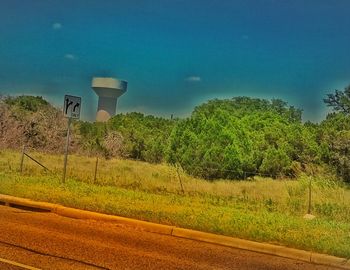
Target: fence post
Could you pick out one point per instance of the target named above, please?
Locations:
(309, 206)
(95, 170)
(178, 174)
(22, 157)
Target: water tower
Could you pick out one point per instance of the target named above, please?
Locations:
(108, 90)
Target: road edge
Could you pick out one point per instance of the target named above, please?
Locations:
(265, 248)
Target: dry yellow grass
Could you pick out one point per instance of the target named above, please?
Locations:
(329, 198)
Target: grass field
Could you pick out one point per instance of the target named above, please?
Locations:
(260, 209)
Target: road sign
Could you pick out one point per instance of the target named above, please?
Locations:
(71, 108)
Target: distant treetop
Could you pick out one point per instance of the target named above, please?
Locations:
(28, 103)
(240, 106)
(339, 101)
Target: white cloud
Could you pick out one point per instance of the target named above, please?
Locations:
(69, 56)
(193, 79)
(57, 26)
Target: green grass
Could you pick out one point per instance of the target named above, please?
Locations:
(261, 209)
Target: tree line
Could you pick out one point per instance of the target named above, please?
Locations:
(230, 139)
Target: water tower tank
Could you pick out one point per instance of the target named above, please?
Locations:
(108, 90)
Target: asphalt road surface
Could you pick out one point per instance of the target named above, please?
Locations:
(49, 241)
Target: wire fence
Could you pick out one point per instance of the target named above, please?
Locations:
(31, 158)
(179, 169)
(165, 179)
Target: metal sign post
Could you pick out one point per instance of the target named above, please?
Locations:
(66, 151)
(71, 110)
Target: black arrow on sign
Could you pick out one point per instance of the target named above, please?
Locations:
(76, 106)
(68, 104)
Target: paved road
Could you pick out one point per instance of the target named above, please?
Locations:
(48, 241)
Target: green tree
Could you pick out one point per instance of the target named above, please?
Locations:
(339, 100)
(27, 103)
(275, 162)
(238, 137)
(334, 138)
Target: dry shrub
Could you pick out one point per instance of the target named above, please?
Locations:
(11, 128)
(43, 130)
(113, 144)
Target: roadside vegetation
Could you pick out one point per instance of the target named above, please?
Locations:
(261, 209)
(239, 167)
(222, 139)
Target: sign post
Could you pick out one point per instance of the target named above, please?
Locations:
(71, 110)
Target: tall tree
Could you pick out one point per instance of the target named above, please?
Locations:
(335, 132)
(339, 101)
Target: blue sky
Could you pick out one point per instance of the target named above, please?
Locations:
(176, 54)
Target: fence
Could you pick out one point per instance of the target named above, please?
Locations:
(24, 153)
(165, 179)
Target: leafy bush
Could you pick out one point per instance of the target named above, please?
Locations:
(241, 137)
